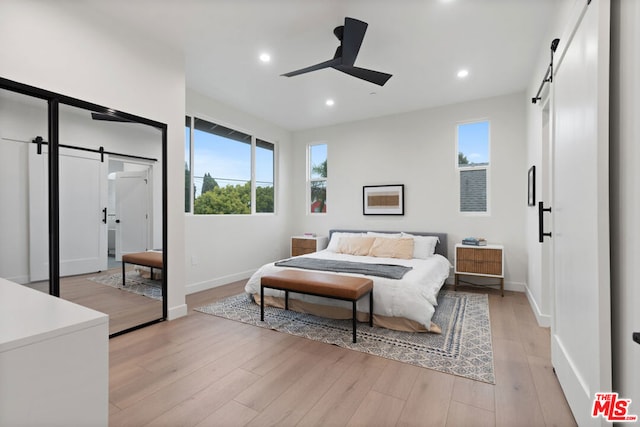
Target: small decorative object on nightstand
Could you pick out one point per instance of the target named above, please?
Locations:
(487, 261)
(301, 245)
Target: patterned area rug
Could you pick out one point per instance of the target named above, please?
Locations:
(135, 283)
(463, 349)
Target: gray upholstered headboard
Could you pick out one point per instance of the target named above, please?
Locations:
(441, 247)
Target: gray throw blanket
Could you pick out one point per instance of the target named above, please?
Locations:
(389, 271)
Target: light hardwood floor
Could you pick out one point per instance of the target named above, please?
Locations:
(207, 371)
(125, 309)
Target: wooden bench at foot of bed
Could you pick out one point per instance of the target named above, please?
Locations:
(346, 288)
(146, 259)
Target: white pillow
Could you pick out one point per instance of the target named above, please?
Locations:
(385, 235)
(335, 239)
(423, 246)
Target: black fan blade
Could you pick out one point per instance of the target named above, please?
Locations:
(326, 64)
(353, 34)
(375, 77)
(108, 117)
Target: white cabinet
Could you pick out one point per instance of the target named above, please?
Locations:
(54, 360)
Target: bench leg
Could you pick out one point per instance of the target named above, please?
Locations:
(261, 303)
(371, 308)
(286, 300)
(124, 278)
(354, 321)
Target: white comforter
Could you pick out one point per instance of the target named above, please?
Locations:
(413, 297)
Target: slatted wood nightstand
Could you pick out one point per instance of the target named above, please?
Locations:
(301, 245)
(487, 261)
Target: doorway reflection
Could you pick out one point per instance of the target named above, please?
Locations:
(117, 213)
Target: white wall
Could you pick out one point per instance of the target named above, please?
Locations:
(223, 248)
(418, 149)
(64, 47)
(625, 205)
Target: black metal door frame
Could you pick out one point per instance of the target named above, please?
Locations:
(54, 100)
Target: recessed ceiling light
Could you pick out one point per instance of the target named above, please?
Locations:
(329, 102)
(265, 57)
(463, 73)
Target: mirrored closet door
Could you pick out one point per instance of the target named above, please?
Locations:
(108, 206)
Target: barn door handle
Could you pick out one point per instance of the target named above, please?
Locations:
(104, 215)
(541, 211)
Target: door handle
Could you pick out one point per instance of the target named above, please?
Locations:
(636, 337)
(541, 211)
(117, 221)
(104, 215)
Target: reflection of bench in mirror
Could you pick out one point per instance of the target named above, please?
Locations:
(151, 259)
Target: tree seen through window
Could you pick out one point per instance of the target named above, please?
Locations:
(222, 170)
(318, 178)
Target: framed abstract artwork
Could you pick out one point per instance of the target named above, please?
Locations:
(383, 199)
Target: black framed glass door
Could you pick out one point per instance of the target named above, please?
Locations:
(80, 180)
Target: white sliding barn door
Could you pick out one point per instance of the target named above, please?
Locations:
(581, 324)
(132, 212)
(83, 196)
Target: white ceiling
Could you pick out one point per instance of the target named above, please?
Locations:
(423, 43)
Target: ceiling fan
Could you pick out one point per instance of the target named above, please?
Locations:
(350, 35)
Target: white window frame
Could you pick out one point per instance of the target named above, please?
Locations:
(309, 180)
(486, 167)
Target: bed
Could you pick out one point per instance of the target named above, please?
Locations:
(405, 304)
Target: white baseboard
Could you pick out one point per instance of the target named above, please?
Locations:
(514, 286)
(543, 320)
(177, 311)
(219, 281)
(573, 385)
